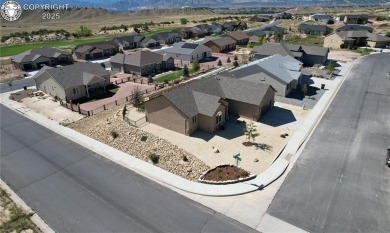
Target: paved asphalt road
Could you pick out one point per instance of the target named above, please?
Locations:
(340, 182)
(75, 190)
(18, 84)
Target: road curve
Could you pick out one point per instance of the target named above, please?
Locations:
(340, 182)
(76, 190)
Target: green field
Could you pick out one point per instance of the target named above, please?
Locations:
(16, 49)
(164, 29)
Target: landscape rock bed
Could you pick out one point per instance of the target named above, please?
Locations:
(101, 126)
(225, 174)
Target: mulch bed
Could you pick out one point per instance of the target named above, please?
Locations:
(247, 143)
(225, 173)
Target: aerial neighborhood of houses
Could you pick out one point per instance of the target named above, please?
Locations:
(131, 105)
(264, 59)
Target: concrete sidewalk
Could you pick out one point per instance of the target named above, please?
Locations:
(158, 174)
(249, 209)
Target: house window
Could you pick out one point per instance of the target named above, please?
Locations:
(76, 90)
(194, 120)
(218, 118)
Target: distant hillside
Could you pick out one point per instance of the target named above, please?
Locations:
(125, 5)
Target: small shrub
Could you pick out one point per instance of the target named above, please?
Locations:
(114, 134)
(185, 159)
(235, 57)
(218, 169)
(144, 138)
(219, 63)
(154, 158)
(244, 173)
(228, 60)
(283, 136)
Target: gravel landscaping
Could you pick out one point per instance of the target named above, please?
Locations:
(109, 128)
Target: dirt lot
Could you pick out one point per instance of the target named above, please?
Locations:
(52, 110)
(9, 73)
(343, 55)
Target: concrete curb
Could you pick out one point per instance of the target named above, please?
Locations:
(277, 168)
(38, 221)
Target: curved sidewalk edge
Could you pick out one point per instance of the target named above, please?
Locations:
(277, 168)
(38, 221)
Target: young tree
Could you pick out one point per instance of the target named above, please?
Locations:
(10, 85)
(183, 21)
(250, 132)
(150, 79)
(219, 63)
(195, 65)
(186, 72)
(228, 60)
(136, 30)
(145, 27)
(235, 57)
(137, 96)
(330, 66)
(235, 64)
(304, 89)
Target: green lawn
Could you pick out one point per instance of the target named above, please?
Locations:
(173, 76)
(364, 51)
(16, 49)
(164, 29)
(309, 40)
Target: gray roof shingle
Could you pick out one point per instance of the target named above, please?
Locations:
(139, 58)
(35, 53)
(203, 96)
(75, 75)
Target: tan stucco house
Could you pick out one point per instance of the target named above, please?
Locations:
(71, 82)
(205, 104)
(348, 39)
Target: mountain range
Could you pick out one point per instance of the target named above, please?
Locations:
(125, 5)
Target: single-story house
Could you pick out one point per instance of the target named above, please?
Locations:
(314, 29)
(167, 37)
(149, 42)
(216, 28)
(38, 57)
(234, 25)
(258, 33)
(205, 28)
(96, 50)
(283, 73)
(255, 39)
(354, 19)
(241, 38)
(309, 55)
(141, 63)
(375, 40)
(189, 32)
(354, 27)
(271, 30)
(220, 44)
(205, 104)
(257, 18)
(71, 82)
(348, 39)
(128, 42)
(323, 18)
(187, 52)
